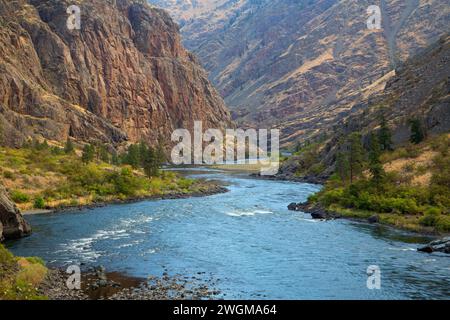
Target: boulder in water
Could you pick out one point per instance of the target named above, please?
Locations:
(441, 245)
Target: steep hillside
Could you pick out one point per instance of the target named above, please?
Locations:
(123, 77)
(295, 64)
(419, 89)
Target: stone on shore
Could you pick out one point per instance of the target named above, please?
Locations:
(374, 219)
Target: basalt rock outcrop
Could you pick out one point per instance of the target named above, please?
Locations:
(124, 76)
(12, 224)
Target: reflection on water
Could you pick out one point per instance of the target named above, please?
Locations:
(248, 240)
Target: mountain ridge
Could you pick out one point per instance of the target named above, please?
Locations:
(294, 64)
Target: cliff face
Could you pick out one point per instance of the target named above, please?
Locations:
(12, 224)
(123, 76)
(294, 63)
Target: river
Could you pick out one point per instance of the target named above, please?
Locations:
(247, 241)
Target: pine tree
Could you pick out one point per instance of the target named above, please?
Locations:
(356, 156)
(132, 157)
(88, 153)
(103, 154)
(115, 158)
(342, 166)
(417, 131)
(385, 135)
(69, 148)
(150, 163)
(375, 165)
(160, 153)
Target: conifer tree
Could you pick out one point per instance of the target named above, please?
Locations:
(385, 135)
(69, 148)
(375, 166)
(356, 156)
(88, 153)
(417, 131)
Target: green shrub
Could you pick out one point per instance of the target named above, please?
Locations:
(332, 196)
(39, 203)
(19, 197)
(431, 217)
(443, 223)
(8, 175)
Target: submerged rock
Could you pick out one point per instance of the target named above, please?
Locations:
(12, 223)
(441, 245)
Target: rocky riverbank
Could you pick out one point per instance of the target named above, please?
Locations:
(318, 212)
(97, 284)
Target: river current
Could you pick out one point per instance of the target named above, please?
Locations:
(247, 241)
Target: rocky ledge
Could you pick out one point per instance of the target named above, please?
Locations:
(12, 224)
(441, 245)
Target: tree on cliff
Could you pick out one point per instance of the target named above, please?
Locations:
(356, 156)
(69, 148)
(88, 153)
(384, 135)
(375, 166)
(417, 131)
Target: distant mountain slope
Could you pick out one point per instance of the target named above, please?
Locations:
(420, 89)
(123, 76)
(294, 63)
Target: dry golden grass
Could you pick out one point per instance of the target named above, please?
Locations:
(409, 167)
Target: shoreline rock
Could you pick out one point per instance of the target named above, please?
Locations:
(12, 223)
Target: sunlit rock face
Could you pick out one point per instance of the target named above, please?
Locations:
(123, 77)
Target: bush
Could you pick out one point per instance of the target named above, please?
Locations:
(430, 217)
(39, 203)
(19, 197)
(8, 175)
(332, 196)
(443, 223)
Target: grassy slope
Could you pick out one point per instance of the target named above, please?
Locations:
(415, 194)
(20, 277)
(42, 179)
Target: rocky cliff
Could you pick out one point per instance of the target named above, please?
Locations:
(124, 76)
(12, 224)
(293, 64)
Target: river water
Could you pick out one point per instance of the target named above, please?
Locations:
(247, 241)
